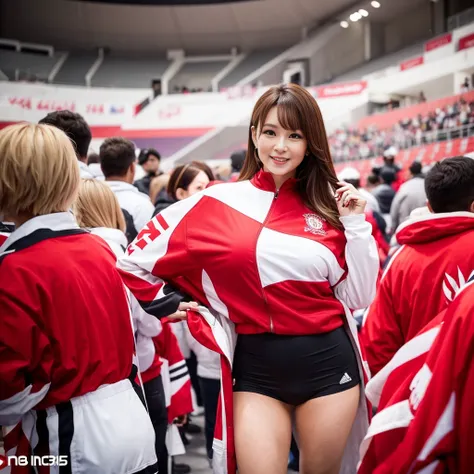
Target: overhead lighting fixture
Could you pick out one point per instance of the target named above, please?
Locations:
(355, 16)
(363, 12)
(344, 24)
(375, 4)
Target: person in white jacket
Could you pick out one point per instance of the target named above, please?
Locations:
(118, 162)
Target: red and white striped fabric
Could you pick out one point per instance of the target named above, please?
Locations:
(260, 261)
(177, 381)
(425, 396)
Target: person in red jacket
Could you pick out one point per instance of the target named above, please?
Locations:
(430, 267)
(67, 377)
(440, 407)
(279, 257)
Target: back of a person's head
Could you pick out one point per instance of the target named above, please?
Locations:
(387, 176)
(373, 180)
(237, 160)
(415, 168)
(97, 206)
(38, 171)
(116, 155)
(449, 185)
(93, 158)
(74, 126)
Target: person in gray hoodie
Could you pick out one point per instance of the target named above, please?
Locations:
(410, 196)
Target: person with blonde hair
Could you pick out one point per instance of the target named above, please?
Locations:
(97, 209)
(67, 378)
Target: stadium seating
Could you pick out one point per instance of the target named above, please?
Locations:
(20, 65)
(129, 72)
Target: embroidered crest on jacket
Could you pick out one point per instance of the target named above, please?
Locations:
(314, 224)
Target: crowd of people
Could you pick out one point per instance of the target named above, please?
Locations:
(438, 125)
(119, 297)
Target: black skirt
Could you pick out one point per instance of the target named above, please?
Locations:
(295, 369)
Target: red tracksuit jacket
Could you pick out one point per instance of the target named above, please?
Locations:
(438, 413)
(421, 279)
(66, 352)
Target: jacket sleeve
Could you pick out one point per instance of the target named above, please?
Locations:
(357, 290)
(381, 335)
(26, 357)
(395, 209)
(159, 255)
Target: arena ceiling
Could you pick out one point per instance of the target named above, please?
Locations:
(216, 28)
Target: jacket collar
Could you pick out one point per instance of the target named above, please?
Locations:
(57, 222)
(122, 186)
(115, 236)
(264, 180)
(430, 227)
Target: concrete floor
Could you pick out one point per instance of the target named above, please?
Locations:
(196, 452)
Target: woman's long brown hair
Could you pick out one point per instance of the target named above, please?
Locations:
(316, 177)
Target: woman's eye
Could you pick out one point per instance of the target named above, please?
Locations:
(269, 132)
(295, 135)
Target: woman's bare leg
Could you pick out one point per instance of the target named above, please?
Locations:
(323, 425)
(262, 431)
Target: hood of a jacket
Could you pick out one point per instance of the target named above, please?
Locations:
(431, 227)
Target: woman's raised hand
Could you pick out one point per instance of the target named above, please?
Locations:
(349, 200)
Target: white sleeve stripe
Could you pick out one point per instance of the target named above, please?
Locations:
(12, 409)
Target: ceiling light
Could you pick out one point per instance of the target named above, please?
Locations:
(344, 24)
(355, 16)
(375, 4)
(363, 12)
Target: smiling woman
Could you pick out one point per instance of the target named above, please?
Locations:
(287, 138)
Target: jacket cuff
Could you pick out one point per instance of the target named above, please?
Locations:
(356, 226)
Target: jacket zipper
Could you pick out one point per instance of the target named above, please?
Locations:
(263, 290)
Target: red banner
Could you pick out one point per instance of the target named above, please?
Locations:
(466, 42)
(340, 90)
(411, 63)
(438, 42)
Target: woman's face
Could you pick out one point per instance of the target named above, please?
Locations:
(197, 184)
(281, 151)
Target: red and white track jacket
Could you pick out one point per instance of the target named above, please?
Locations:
(66, 352)
(440, 408)
(390, 391)
(177, 380)
(421, 279)
(258, 261)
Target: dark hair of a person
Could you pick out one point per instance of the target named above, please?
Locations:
(93, 158)
(203, 167)
(449, 185)
(373, 179)
(116, 155)
(74, 126)
(316, 178)
(387, 176)
(415, 168)
(181, 177)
